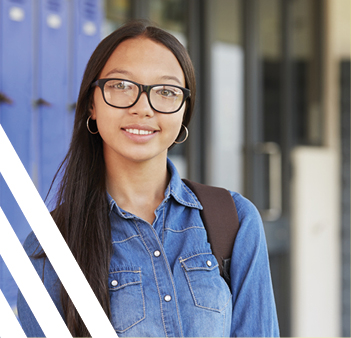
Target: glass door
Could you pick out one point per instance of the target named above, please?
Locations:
(282, 110)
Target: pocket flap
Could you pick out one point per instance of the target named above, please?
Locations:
(122, 278)
(202, 261)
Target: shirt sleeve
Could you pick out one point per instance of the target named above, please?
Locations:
(254, 311)
(51, 282)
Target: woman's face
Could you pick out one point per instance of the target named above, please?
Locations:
(138, 133)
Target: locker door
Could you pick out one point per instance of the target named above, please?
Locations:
(16, 77)
(85, 36)
(51, 107)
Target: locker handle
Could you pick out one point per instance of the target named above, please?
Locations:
(5, 99)
(42, 102)
(274, 210)
(72, 106)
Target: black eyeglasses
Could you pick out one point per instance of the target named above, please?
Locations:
(163, 98)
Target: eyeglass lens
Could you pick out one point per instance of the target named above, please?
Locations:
(122, 94)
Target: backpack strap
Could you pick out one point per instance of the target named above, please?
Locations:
(220, 219)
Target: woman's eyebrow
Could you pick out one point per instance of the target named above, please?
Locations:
(126, 72)
(119, 71)
(170, 77)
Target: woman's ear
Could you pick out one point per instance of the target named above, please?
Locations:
(92, 110)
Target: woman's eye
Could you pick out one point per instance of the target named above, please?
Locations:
(118, 85)
(167, 92)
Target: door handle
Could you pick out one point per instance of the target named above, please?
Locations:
(5, 99)
(272, 149)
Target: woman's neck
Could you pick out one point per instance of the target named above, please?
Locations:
(138, 187)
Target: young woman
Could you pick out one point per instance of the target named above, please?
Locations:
(133, 226)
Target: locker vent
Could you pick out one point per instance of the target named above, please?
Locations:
(90, 10)
(54, 5)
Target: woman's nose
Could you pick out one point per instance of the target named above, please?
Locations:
(142, 107)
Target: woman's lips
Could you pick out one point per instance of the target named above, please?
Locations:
(140, 134)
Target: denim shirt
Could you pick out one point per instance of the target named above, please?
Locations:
(164, 280)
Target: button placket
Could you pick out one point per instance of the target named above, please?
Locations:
(152, 236)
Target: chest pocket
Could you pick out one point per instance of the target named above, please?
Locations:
(208, 288)
(126, 299)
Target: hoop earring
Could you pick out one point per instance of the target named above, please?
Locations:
(95, 132)
(186, 135)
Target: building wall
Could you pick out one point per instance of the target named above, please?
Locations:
(316, 240)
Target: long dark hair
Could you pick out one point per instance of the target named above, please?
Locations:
(81, 211)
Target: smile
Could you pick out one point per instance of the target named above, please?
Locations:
(139, 131)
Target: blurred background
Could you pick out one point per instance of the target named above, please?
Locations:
(272, 122)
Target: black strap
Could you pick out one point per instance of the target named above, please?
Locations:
(220, 219)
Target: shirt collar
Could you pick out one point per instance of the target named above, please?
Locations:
(176, 188)
(179, 190)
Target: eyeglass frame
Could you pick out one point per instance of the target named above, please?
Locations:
(142, 88)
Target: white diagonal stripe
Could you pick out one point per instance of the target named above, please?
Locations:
(19, 266)
(52, 241)
(9, 327)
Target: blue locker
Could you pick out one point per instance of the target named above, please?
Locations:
(52, 89)
(16, 46)
(86, 36)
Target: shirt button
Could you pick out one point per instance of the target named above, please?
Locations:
(168, 298)
(157, 253)
(114, 283)
(209, 263)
